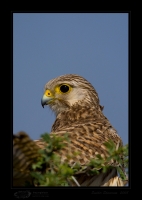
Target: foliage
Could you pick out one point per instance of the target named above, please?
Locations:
(50, 171)
(117, 158)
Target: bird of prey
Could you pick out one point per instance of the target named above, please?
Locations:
(78, 112)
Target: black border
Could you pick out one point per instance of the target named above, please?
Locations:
(61, 192)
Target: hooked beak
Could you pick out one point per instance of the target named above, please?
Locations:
(47, 98)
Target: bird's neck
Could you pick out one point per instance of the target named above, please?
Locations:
(77, 114)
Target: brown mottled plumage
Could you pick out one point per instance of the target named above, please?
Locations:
(78, 113)
(25, 152)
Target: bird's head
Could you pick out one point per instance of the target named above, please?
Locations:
(64, 91)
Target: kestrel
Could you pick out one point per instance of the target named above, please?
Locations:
(78, 112)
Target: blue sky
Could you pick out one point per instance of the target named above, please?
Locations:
(46, 45)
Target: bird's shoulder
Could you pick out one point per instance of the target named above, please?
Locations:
(88, 130)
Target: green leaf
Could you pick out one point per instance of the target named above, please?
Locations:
(49, 171)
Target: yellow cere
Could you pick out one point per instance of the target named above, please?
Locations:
(48, 93)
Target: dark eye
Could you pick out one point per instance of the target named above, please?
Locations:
(64, 88)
